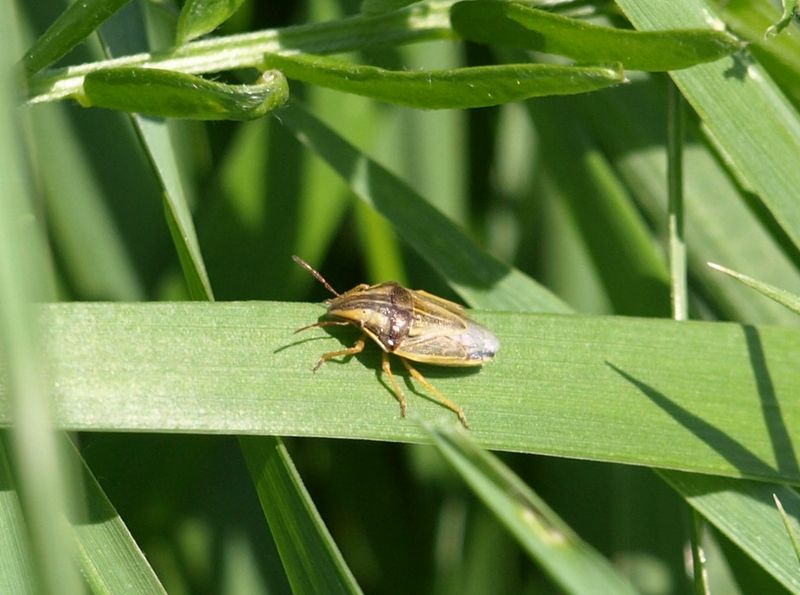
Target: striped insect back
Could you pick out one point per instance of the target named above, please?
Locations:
(411, 324)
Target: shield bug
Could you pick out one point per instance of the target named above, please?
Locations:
(411, 324)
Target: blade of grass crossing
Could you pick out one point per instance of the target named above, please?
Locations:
(312, 561)
(475, 275)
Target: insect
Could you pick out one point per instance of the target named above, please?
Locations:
(411, 324)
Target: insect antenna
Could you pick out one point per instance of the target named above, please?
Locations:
(316, 274)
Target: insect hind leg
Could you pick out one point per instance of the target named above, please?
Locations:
(387, 369)
(357, 347)
(439, 396)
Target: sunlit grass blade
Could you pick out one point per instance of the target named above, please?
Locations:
(603, 388)
(475, 275)
(570, 562)
(781, 296)
(312, 561)
(761, 152)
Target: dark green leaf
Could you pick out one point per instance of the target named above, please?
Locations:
(68, 30)
(199, 17)
(447, 89)
(506, 23)
(173, 94)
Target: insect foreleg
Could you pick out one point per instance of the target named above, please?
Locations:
(387, 369)
(439, 396)
(357, 347)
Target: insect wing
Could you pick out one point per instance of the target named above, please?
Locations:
(441, 334)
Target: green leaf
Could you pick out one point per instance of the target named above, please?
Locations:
(479, 278)
(761, 152)
(199, 17)
(508, 23)
(571, 563)
(173, 94)
(77, 21)
(312, 561)
(718, 394)
(477, 86)
(781, 296)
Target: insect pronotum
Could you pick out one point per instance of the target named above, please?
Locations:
(411, 324)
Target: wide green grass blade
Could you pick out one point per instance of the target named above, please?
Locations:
(761, 151)
(478, 277)
(312, 561)
(711, 398)
(456, 88)
(572, 564)
(745, 512)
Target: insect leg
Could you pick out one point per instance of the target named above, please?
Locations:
(357, 347)
(387, 369)
(439, 396)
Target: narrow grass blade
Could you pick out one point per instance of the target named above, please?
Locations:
(745, 512)
(781, 296)
(312, 561)
(476, 276)
(570, 562)
(603, 388)
(761, 152)
(457, 88)
(76, 23)
(511, 23)
(791, 529)
(790, 12)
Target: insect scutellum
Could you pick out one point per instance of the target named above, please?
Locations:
(411, 324)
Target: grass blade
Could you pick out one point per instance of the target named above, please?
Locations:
(570, 562)
(781, 296)
(312, 561)
(477, 277)
(718, 393)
